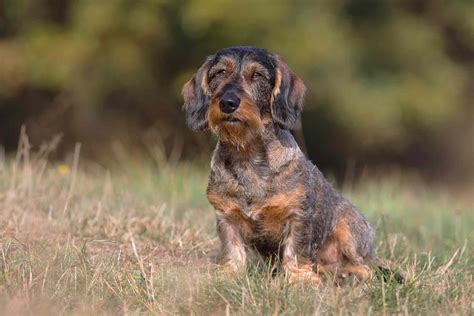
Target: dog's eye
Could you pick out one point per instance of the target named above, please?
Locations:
(217, 73)
(221, 72)
(257, 75)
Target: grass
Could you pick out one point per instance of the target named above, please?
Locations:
(78, 239)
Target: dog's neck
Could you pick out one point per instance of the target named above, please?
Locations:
(273, 146)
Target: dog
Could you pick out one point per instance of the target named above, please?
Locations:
(266, 194)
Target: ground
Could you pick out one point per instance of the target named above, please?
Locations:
(76, 238)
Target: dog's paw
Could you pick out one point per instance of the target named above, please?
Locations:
(229, 270)
(358, 274)
(303, 277)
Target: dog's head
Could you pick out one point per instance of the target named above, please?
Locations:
(239, 90)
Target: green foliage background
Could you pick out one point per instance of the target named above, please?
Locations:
(389, 81)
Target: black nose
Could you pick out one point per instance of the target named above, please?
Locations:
(229, 103)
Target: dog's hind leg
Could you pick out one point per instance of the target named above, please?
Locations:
(352, 263)
(339, 255)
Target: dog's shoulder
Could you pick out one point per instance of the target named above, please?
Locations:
(283, 150)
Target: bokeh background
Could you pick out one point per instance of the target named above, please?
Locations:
(391, 83)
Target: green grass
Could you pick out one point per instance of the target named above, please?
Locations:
(141, 239)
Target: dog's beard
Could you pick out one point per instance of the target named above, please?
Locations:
(246, 127)
(237, 134)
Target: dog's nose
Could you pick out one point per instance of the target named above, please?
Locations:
(229, 103)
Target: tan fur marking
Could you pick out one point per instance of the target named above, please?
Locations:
(279, 206)
(276, 87)
(361, 271)
(214, 115)
(228, 62)
(342, 234)
(286, 200)
(232, 212)
(302, 274)
(204, 84)
(222, 203)
(277, 209)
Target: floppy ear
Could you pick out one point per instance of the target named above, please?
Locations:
(287, 96)
(196, 98)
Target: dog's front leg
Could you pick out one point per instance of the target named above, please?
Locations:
(233, 248)
(296, 261)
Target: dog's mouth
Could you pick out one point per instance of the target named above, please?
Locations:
(231, 120)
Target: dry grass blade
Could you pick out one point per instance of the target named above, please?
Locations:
(147, 277)
(72, 185)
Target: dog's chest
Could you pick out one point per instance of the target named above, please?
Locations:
(259, 201)
(252, 184)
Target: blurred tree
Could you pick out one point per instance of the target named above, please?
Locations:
(389, 81)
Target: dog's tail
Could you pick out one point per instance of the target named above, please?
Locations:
(388, 272)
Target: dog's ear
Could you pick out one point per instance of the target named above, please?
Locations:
(287, 96)
(196, 98)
